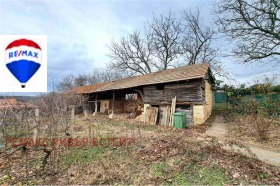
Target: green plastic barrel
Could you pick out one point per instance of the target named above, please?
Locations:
(180, 120)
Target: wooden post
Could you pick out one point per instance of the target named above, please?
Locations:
(173, 107)
(36, 125)
(35, 134)
(72, 119)
(113, 106)
(72, 107)
(95, 103)
(113, 103)
(95, 109)
(85, 108)
(37, 112)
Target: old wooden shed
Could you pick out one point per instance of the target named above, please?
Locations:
(155, 95)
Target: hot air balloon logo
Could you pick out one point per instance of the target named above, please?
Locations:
(23, 59)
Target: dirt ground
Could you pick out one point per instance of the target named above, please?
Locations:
(158, 155)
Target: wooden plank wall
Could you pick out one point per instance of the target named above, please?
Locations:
(189, 117)
(106, 106)
(185, 93)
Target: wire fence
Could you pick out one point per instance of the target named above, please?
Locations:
(222, 99)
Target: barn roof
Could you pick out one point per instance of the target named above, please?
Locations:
(88, 88)
(164, 76)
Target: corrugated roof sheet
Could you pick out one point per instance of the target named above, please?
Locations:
(170, 75)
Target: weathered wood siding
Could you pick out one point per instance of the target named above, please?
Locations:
(104, 106)
(188, 92)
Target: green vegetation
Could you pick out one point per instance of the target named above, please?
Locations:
(258, 88)
(254, 112)
(181, 179)
(212, 176)
(197, 175)
(262, 99)
(84, 155)
(191, 174)
(159, 169)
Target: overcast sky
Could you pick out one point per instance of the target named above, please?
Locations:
(79, 31)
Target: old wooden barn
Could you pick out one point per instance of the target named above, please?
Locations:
(154, 97)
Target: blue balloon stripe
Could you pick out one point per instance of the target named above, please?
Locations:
(23, 69)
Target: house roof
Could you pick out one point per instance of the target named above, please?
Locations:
(164, 76)
(4, 102)
(14, 104)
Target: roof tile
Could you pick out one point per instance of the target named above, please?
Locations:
(170, 75)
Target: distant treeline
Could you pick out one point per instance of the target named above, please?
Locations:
(20, 98)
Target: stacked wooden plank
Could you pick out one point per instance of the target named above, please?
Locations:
(151, 115)
(172, 111)
(164, 114)
(167, 116)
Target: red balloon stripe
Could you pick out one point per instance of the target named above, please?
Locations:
(23, 42)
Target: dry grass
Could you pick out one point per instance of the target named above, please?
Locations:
(258, 130)
(160, 155)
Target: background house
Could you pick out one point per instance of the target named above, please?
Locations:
(14, 104)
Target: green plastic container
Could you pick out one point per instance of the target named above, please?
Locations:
(180, 120)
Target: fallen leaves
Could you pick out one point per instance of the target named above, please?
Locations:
(172, 152)
(236, 175)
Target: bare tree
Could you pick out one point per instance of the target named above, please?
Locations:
(67, 83)
(98, 75)
(167, 42)
(94, 77)
(198, 43)
(156, 49)
(80, 80)
(132, 53)
(104, 75)
(164, 33)
(254, 25)
(70, 81)
(197, 39)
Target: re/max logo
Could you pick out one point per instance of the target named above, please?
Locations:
(18, 53)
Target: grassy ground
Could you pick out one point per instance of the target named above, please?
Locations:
(159, 155)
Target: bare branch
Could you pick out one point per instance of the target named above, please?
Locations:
(165, 34)
(131, 53)
(254, 25)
